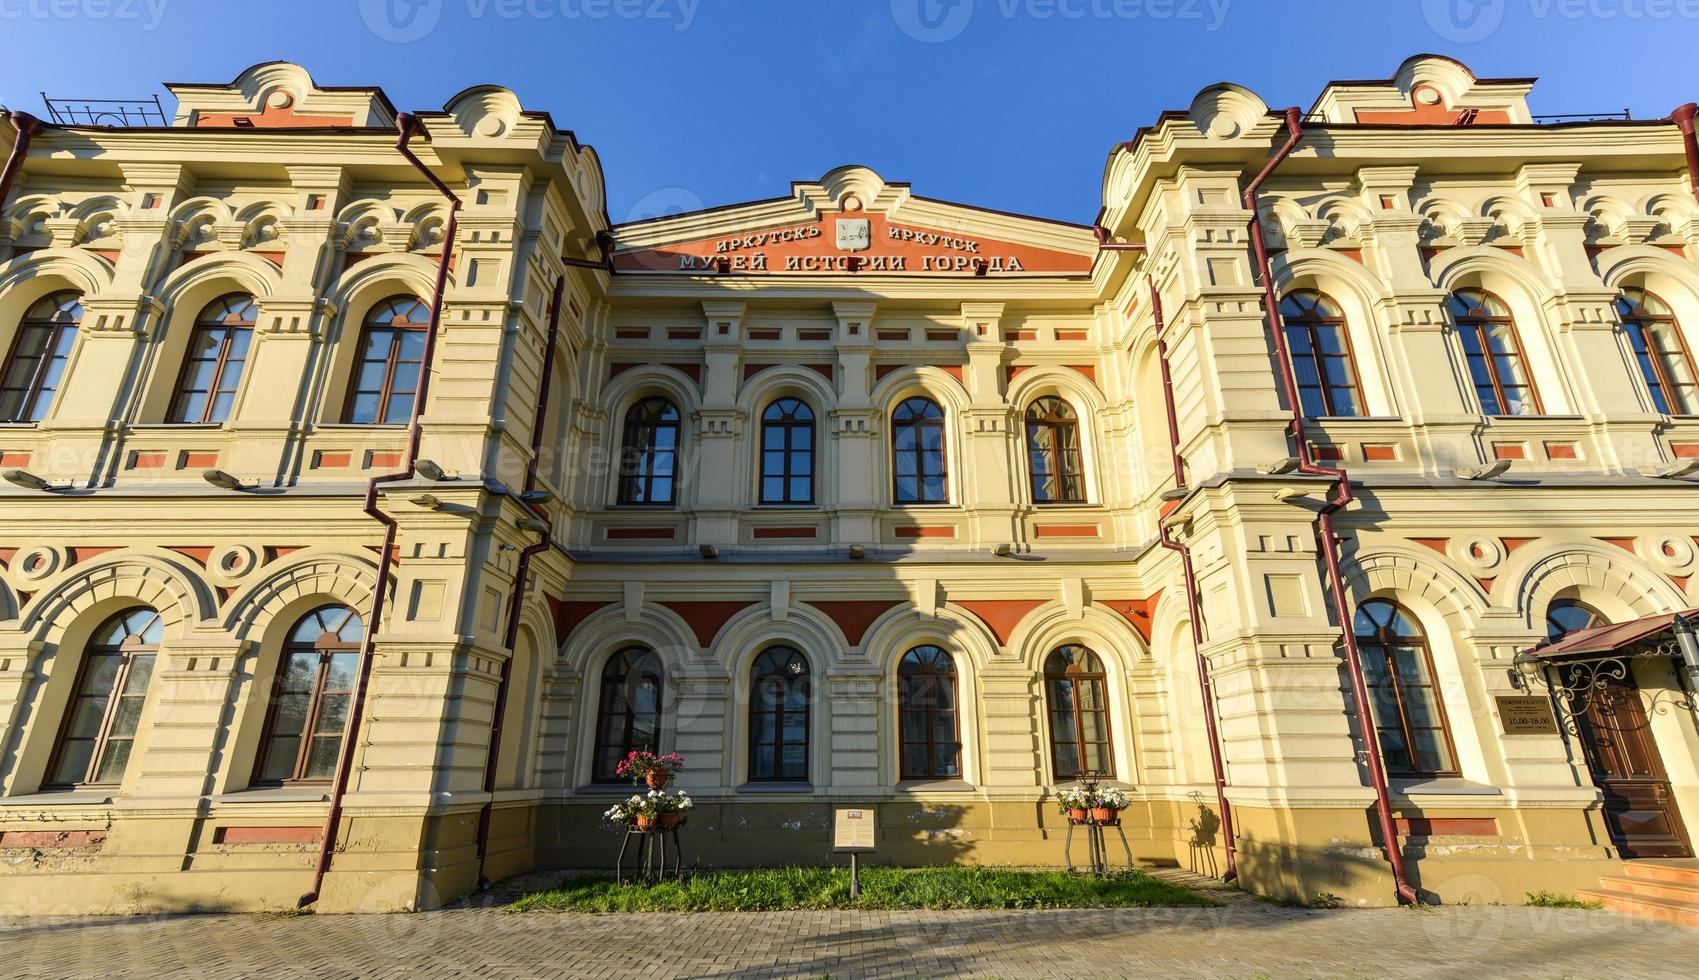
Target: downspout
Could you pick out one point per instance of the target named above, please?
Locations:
(1325, 538)
(24, 128)
(1205, 684)
(1683, 118)
(517, 605)
(407, 125)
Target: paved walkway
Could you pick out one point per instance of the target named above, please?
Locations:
(1242, 939)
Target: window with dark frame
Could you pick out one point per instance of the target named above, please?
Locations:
(1053, 452)
(1079, 713)
(628, 713)
(106, 707)
(36, 363)
(780, 695)
(648, 458)
(391, 356)
(1497, 368)
(917, 452)
(1322, 362)
(1665, 363)
(213, 363)
(787, 453)
(308, 716)
(929, 738)
(1409, 717)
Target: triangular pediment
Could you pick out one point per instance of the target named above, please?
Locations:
(851, 222)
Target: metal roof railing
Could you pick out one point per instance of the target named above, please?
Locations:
(111, 113)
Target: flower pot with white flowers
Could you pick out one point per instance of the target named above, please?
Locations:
(1075, 804)
(1107, 803)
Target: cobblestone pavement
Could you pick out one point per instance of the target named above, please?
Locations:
(1243, 938)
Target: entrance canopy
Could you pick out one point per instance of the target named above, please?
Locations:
(1609, 638)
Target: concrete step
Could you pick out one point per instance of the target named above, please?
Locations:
(1674, 891)
(1684, 870)
(1661, 909)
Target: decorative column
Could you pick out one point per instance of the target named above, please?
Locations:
(857, 429)
(717, 469)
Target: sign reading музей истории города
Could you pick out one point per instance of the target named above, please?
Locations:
(852, 242)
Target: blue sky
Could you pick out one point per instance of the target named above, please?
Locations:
(1009, 104)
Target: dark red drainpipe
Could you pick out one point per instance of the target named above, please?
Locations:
(407, 125)
(517, 605)
(1683, 117)
(24, 128)
(1325, 538)
(1206, 685)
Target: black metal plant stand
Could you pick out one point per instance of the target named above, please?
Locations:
(1096, 840)
(651, 863)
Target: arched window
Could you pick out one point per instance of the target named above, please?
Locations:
(1494, 354)
(917, 452)
(1079, 713)
(780, 690)
(1565, 616)
(628, 714)
(315, 678)
(1053, 452)
(106, 709)
(1661, 352)
(931, 742)
(649, 452)
(212, 369)
(787, 453)
(1321, 355)
(36, 362)
(392, 352)
(1399, 671)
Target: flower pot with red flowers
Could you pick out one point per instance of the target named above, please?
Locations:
(647, 768)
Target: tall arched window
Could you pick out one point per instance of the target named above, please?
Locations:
(1053, 452)
(106, 709)
(36, 363)
(1493, 351)
(917, 452)
(1079, 713)
(1566, 616)
(392, 352)
(649, 452)
(780, 690)
(628, 714)
(212, 368)
(308, 718)
(787, 453)
(1659, 349)
(928, 733)
(1321, 355)
(1408, 714)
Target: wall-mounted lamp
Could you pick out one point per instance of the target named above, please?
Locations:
(537, 497)
(1280, 466)
(224, 481)
(857, 552)
(1491, 471)
(29, 481)
(1004, 550)
(1288, 494)
(428, 501)
(536, 524)
(1686, 467)
(429, 470)
(708, 551)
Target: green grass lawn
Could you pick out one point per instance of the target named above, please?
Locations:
(881, 888)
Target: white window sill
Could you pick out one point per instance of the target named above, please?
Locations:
(70, 797)
(275, 794)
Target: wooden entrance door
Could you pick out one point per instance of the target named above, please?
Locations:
(1617, 741)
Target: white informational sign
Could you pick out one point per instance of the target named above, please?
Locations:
(854, 830)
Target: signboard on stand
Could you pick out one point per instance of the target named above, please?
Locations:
(854, 832)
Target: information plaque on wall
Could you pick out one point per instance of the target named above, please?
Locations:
(854, 830)
(1523, 714)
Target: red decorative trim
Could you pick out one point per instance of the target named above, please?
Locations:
(1509, 450)
(889, 335)
(200, 553)
(640, 533)
(1562, 450)
(51, 839)
(15, 459)
(1012, 371)
(567, 615)
(1437, 544)
(384, 460)
(84, 554)
(1001, 615)
(1685, 450)
(1354, 254)
(1067, 531)
(146, 460)
(855, 616)
(1139, 612)
(706, 618)
(808, 531)
(881, 370)
(275, 258)
(1448, 827)
(6, 557)
(196, 461)
(1626, 544)
(1511, 544)
(925, 531)
(814, 335)
(266, 835)
(1486, 584)
(617, 368)
(1012, 335)
(1332, 453)
(691, 371)
(1379, 454)
(1681, 581)
(632, 334)
(942, 336)
(1085, 369)
(327, 460)
(684, 335)
(275, 551)
(1073, 335)
(953, 370)
(766, 334)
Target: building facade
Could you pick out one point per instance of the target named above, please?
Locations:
(363, 478)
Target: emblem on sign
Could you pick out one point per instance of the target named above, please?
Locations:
(855, 234)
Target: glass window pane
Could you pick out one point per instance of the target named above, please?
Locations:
(321, 758)
(113, 761)
(280, 759)
(74, 758)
